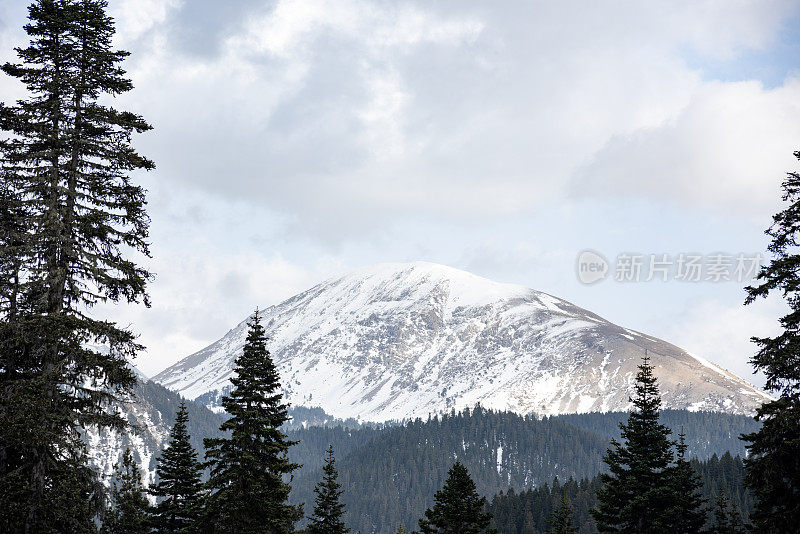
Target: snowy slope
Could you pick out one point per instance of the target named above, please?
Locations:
(151, 413)
(393, 341)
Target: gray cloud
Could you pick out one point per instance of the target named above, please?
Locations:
(297, 139)
(199, 27)
(345, 115)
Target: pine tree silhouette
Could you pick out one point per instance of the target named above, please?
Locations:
(248, 493)
(178, 482)
(328, 509)
(635, 496)
(457, 509)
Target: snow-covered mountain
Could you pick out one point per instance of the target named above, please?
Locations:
(394, 341)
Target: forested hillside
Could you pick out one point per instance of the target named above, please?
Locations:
(707, 433)
(390, 475)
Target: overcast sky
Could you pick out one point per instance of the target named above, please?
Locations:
(296, 140)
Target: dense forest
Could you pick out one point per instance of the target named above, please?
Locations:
(391, 474)
(707, 433)
(530, 511)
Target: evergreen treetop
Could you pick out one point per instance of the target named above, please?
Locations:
(687, 510)
(561, 519)
(727, 518)
(328, 509)
(178, 484)
(457, 509)
(636, 493)
(248, 490)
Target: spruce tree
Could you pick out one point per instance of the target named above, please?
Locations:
(635, 496)
(457, 509)
(687, 512)
(328, 509)
(178, 483)
(130, 510)
(561, 519)
(64, 159)
(727, 518)
(773, 468)
(248, 467)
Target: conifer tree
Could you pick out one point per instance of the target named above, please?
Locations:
(635, 496)
(64, 159)
(561, 519)
(248, 467)
(178, 483)
(130, 510)
(457, 509)
(328, 509)
(727, 518)
(687, 512)
(773, 469)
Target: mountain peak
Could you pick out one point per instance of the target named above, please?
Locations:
(398, 340)
(400, 281)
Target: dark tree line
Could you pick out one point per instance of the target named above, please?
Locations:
(707, 433)
(394, 472)
(399, 474)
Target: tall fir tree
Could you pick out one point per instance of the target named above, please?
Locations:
(328, 508)
(635, 496)
(457, 509)
(64, 163)
(130, 510)
(727, 517)
(561, 519)
(248, 468)
(773, 461)
(178, 485)
(687, 509)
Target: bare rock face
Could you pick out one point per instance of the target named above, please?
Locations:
(395, 341)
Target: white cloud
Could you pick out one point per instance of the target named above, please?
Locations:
(728, 149)
(721, 333)
(198, 297)
(342, 114)
(133, 19)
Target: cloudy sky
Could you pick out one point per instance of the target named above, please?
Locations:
(298, 139)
